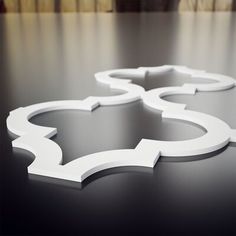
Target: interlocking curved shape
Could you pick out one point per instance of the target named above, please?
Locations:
(48, 154)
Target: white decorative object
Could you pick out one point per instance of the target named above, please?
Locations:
(48, 155)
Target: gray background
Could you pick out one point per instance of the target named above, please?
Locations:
(54, 56)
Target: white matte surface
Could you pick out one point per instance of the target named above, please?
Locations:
(48, 155)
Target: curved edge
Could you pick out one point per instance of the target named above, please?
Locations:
(84, 167)
(113, 79)
(42, 148)
(81, 168)
(153, 98)
(209, 142)
(18, 124)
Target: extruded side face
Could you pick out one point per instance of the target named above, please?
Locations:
(48, 155)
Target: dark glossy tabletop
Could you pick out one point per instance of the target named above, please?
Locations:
(53, 57)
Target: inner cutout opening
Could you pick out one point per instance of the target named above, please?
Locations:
(114, 127)
(166, 79)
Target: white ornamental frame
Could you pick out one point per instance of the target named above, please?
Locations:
(48, 154)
